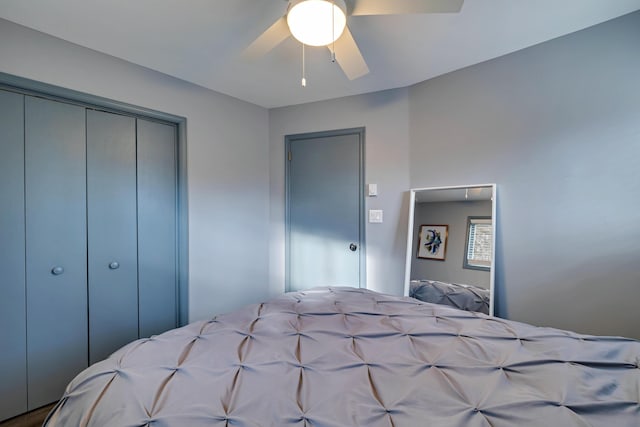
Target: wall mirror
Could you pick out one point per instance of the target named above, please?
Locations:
(450, 246)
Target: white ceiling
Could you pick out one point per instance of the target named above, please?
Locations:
(201, 40)
(472, 194)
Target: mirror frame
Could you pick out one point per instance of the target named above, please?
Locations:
(409, 255)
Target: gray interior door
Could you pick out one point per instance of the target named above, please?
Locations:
(56, 252)
(13, 332)
(157, 279)
(324, 206)
(112, 232)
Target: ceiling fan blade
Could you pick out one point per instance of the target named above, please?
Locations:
(349, 57)
(404, 7)
(272, 37)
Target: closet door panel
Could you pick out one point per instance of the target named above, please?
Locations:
(111, 215)
(156, 227)
(13, 333)
(56, 252)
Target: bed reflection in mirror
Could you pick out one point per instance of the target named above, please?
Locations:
(450, 243)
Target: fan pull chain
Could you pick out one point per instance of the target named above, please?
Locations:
(304, 72)
(333, 30)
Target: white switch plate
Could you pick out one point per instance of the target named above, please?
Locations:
(373, 190)
(375, 216)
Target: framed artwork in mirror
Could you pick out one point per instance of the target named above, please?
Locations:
(432, 242)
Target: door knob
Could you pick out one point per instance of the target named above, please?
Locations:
(56, 271)
(114, 265)
(353, 247)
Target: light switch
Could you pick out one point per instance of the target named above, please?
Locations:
(373, 190)
(375, 216)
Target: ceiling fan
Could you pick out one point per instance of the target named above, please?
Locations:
(324, 23)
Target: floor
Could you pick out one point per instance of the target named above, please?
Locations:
(30, 419)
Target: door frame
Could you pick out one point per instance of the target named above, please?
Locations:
(30, 87)
(288, 140)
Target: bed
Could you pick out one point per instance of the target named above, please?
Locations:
(336, 357)
(464, 297)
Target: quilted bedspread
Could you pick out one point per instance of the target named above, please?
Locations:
(336, 357)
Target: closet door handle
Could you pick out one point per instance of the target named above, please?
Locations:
(56, 271)
(114, 265)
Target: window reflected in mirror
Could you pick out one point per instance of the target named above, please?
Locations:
(479, 249)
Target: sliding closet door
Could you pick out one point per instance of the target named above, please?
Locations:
(111, 215)
(56, 252)
(156, 227)
(13, 332)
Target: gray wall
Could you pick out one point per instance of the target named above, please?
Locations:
(557, 127)
(385, 116)
(453, 214)
(228, 204)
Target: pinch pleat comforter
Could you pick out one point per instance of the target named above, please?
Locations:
(336, 357)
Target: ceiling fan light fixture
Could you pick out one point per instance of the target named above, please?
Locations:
(317, 22)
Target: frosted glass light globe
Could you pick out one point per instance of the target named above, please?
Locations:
(311, 23)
